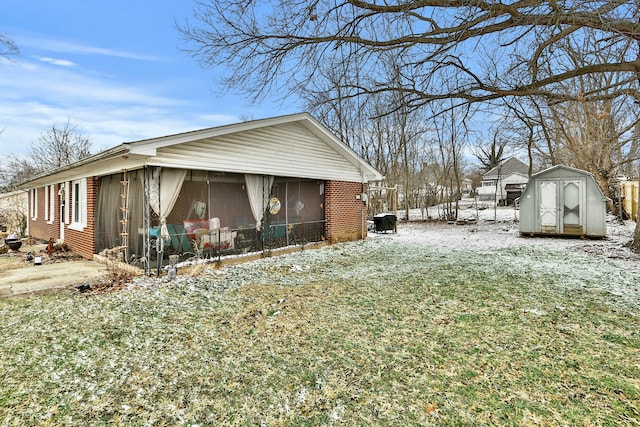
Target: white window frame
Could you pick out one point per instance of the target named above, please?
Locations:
(67, 203)
(46, 203)
(49, 203)
(34, 204)
(78, 205)
(52, 203)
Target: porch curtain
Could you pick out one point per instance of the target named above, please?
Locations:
(258, 191)
(164, 188)
(108, 214)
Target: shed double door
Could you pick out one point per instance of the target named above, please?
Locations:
(561, 204)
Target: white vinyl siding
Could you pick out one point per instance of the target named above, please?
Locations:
(290, 146)
(286, 150)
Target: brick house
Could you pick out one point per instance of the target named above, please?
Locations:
(245, 187)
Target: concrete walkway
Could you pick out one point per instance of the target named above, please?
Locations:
(49, 276)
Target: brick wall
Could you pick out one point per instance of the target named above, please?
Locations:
(346, 215)
(40, 228)
(80, 242)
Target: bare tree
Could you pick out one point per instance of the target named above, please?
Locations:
(469, 52)
(7, 49)
(59, 146)
(449, 41)
(378, 126)
(7, 46)
(55, 148)
(491, 154)
(450, 139)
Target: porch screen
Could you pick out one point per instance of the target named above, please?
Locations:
(258, 191)
(164, 189)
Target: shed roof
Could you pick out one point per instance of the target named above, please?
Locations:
(292, 145)
(561, 167)
(554, 170)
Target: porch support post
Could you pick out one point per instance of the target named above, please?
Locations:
(146, 222)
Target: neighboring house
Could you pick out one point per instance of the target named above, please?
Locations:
(505, 182)
(238, 188)
(563, 201)
(13, 212)
(467, 186)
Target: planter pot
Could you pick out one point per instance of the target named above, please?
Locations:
(14, 244)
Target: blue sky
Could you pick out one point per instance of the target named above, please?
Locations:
(114, 69)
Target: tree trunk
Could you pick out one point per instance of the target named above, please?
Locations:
(635, 245)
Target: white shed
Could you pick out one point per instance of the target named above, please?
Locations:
(563, 201)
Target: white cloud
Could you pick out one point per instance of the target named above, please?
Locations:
(35, 96)
(47, 43)
(113, 102)
(29, 80)
(59, 62)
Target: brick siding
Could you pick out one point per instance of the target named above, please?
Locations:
(83, 242)
(346, 215)
(80, 242)
(40, 228)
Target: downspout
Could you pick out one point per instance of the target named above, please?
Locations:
(363, 209)
(363, 228)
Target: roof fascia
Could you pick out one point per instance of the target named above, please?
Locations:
(99, 167)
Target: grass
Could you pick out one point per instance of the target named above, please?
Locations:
(366, 333)
(8, 262)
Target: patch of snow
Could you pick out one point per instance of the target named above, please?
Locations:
(483, 243)
(503, 233)
(536, 311)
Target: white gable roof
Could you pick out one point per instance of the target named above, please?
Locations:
(294, 146)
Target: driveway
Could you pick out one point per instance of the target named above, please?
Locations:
(49, 276)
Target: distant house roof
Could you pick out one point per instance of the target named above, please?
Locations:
(507, 167)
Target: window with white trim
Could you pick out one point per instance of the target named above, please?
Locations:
(78, 204)
(64, 187)
(52, 203)
(49, 203)
(46, 203)
(34, 203)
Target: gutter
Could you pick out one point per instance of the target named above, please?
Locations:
(104, 155)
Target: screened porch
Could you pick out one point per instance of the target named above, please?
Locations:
(152, 213)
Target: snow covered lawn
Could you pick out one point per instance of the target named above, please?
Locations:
(437, 324)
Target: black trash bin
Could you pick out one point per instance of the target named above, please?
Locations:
(384, 222)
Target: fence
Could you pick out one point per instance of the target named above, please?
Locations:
(630, 193)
